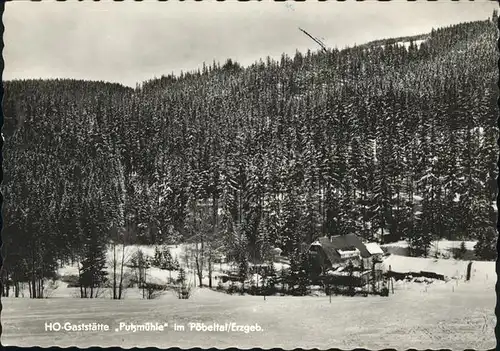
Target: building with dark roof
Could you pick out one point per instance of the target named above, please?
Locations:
(328, 252)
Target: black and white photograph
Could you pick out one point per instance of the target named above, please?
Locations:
(258, 174)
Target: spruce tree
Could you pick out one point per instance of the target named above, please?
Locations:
(486, 246)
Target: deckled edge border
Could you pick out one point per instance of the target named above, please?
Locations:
(2, 29)
(14, 348)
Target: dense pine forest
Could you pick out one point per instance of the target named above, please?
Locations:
(385, 140)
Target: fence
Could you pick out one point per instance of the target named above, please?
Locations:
(401, 276)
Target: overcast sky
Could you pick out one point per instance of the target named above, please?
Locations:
(130, 42)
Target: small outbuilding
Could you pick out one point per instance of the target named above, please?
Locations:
(375, 251)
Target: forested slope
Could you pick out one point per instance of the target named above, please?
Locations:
(379, 140)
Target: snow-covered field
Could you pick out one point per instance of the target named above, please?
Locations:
(437, 318)
(454, 314)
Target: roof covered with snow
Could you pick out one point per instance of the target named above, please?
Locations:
(374, 249)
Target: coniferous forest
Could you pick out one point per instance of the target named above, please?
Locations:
(387, 141)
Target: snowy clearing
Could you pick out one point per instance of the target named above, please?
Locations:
(441, 247)
(406, 44)
(156, 275)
